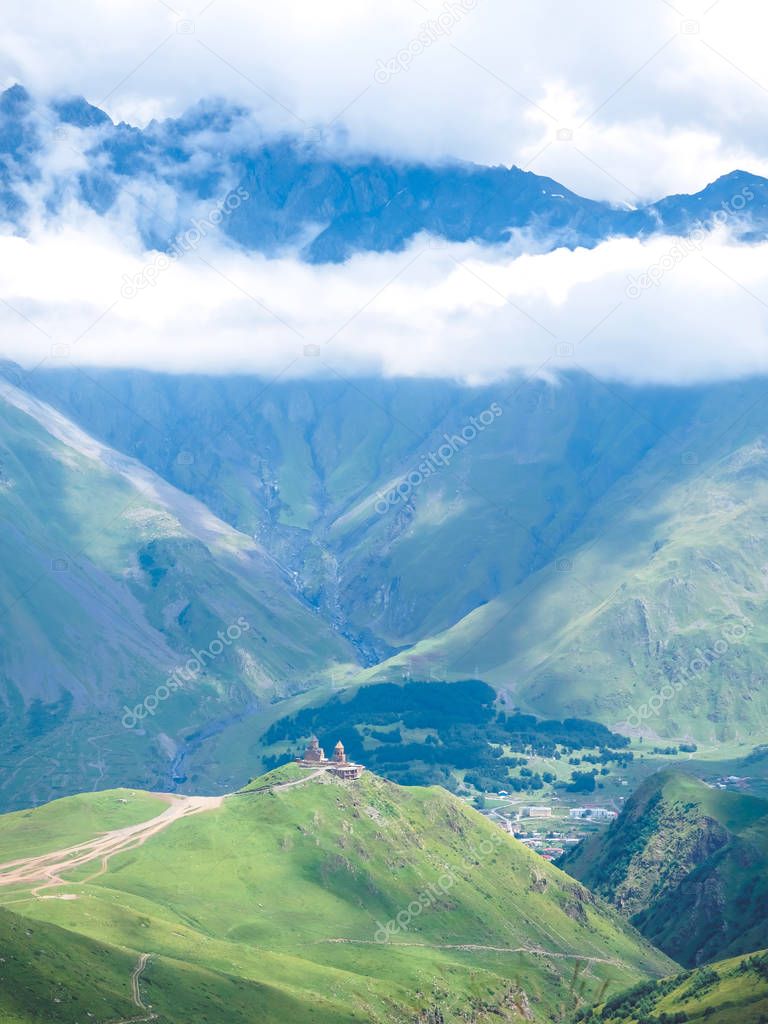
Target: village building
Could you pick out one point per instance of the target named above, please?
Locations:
(338, 765)
(593, 813)
(537, 812)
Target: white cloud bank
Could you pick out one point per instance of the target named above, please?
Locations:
(660, 97)
(624, 101)
(465, 312)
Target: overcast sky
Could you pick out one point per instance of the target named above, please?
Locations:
(622, 101)
(660, 96)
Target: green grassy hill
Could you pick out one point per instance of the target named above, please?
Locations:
(731, 991)
(688, 864)
(48, 974)
(650, 615)
(74, 819)
(328, 901)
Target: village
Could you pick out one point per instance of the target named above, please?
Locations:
(549, 830)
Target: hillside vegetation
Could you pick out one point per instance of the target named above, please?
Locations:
(331, 901)
(731, 991)
(580, 552)
(688, 864)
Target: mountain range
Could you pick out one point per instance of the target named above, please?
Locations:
(188, 558)
(312, 194)
(547, 584)
(596, 552)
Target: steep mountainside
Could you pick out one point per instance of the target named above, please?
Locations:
(48, 974)
(591, 546)
(687, 864)
(111, 579)
(729, 992)
(312, 193)
(310, 899)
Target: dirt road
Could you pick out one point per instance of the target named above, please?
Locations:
(471, 947)
(136, 994)
(274, 786)
(48, 868)
(136, 978)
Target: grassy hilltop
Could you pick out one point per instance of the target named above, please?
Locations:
(277, 905)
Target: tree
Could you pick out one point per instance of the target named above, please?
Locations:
(582, 782)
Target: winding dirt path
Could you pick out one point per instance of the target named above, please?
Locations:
(136, 974)
(471, 947)
(136, 978)
(299, 782)
(45, 871)
(48, 868)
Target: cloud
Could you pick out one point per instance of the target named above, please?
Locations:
(659, 97)
(625, 102)
(664, 310)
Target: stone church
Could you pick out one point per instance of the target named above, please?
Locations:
(338, 765)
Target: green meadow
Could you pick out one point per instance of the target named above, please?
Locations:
(276, 905)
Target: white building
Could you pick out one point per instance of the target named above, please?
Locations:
(603, 814)
(593, 813)
(537, 812)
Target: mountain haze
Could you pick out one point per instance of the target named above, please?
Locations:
(595, 551)
(383, 514)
